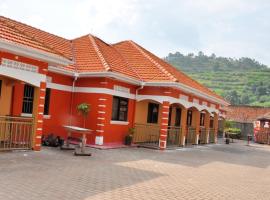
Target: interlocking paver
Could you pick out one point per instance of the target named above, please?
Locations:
(233, 171)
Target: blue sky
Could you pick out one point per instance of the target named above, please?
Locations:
(235, 28)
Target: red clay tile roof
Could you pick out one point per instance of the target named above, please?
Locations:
(264, 117)
(56, 43)
(172, 72)
(11, 33)
(144, 67)
(91, 54)
(245, 113)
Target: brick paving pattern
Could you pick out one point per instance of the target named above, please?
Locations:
(220, 171)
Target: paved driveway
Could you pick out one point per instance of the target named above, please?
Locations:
(232, 171)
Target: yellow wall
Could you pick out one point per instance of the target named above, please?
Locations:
(142, 112)
(5, 98)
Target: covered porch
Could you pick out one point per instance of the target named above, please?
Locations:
(21, 110)
(167, 125)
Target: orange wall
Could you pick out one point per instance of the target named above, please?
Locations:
(141, 112)
(6, 95)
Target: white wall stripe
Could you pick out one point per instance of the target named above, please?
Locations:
(112, 92)
(90, 90)
(100, 124)
(101, 112)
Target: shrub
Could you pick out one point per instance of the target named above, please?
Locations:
(234, 133)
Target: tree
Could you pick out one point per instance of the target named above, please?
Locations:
(245, 99)
(261, 90)
(83, 109)
(232, 97)
(216, 67)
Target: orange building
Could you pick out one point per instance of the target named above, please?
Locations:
(44, 77)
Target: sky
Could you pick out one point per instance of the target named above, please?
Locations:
(233, 28)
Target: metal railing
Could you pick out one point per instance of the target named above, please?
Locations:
(212, 135)
(191, 136)
(16, 132)
(174, 135)
(203, 137)
(146, 133)
(263, 136)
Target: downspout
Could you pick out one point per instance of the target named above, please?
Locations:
(136, 95)
(76, 75)
(140, 88)
(72, 98)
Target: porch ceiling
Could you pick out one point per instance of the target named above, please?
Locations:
(25, 76)
(171, 100)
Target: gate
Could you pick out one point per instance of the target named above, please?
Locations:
(191, 136)
(174, 135)
(263, 136)
(16, 133)
(203, 137)
(146, 134)
(212, 135)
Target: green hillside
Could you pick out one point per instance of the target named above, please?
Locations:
(240, 81)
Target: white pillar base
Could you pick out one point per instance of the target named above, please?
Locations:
(197, 138)
(207, 137)
(183, 142)
(99, 140)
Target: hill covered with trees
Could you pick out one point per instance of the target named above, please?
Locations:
(242, 81)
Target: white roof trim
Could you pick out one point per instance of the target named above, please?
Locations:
(33, 53)
(59, 70)
(111, 75)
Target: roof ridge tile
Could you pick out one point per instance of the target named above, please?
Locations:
(101, 57)
(128, 65)
(154, 62)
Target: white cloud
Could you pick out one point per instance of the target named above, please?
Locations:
(226, 27)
